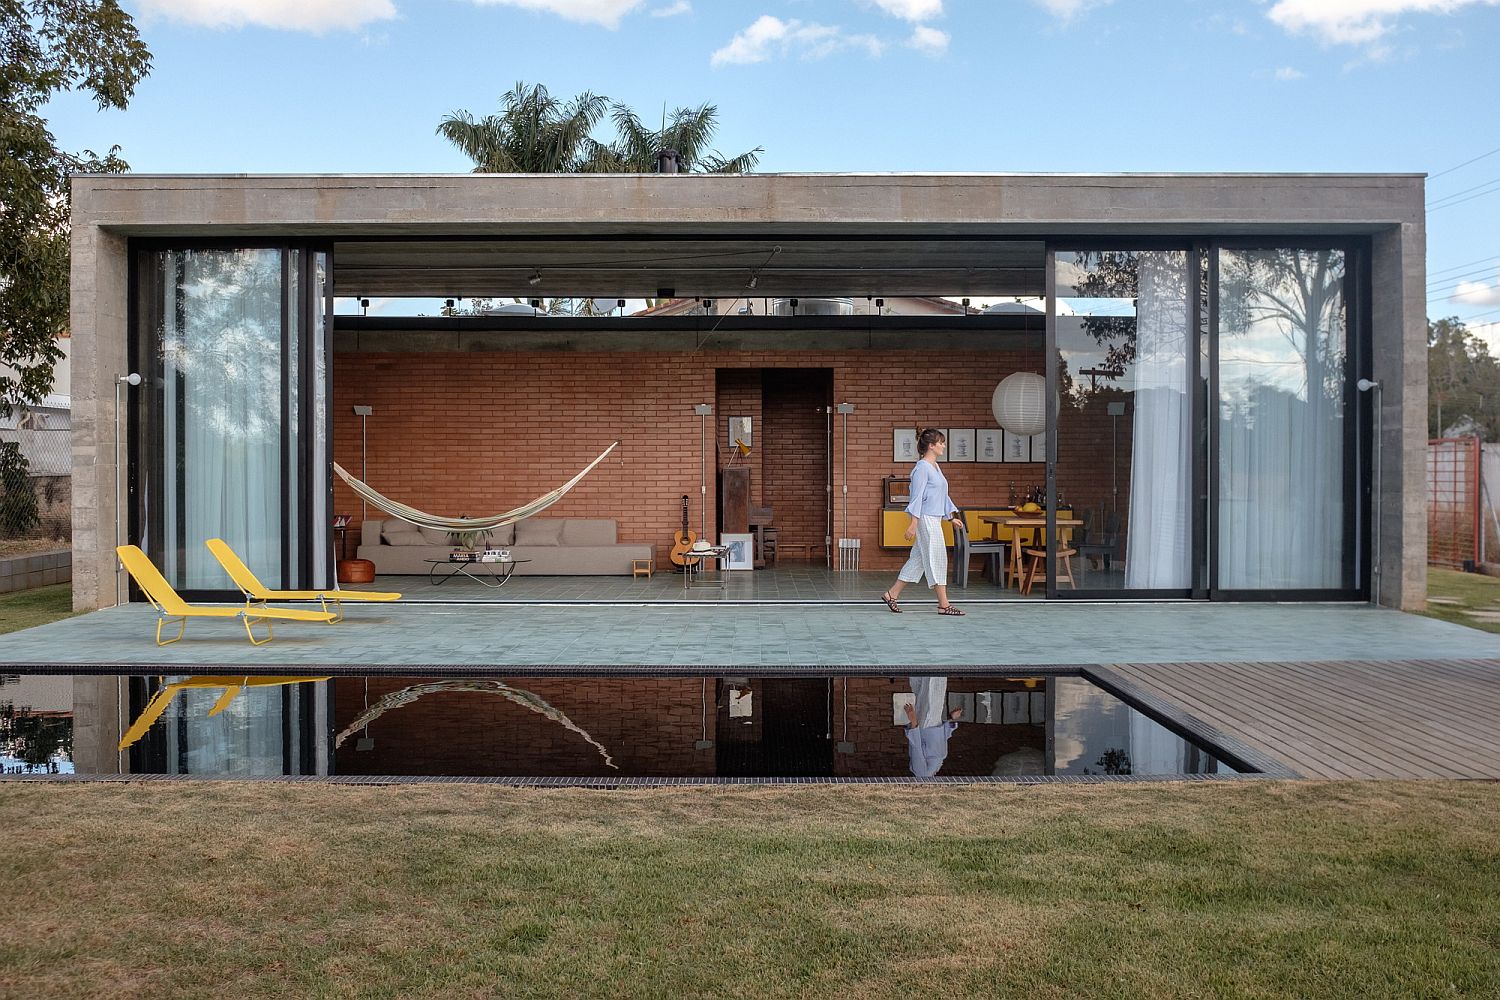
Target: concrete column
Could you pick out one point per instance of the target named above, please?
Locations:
(100, 277)
(1399, 333)
(101, 710)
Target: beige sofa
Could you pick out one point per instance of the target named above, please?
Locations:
(556, 546)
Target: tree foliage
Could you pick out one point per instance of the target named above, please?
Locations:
(48, 47)
(1463, 382)
(538, 133)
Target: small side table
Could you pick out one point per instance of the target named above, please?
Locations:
(692, 566)
(642, 567)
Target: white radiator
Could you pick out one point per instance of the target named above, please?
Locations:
(848, 554)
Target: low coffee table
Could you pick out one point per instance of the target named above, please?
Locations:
(463, 567)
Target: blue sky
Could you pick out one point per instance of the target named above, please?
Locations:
(359, 86)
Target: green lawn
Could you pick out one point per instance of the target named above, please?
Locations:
(1473, 591)
(1247, 889)
(26, 608)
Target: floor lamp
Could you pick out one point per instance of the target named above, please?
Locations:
(363, 413)
(703, 410)
(121, 381)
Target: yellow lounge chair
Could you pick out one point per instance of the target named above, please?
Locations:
(170, 606)
(257, 593)
(231, 685)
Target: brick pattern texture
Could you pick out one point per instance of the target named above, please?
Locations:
(479, 433)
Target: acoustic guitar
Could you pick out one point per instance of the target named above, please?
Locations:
(683, 540)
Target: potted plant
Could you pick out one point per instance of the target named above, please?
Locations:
(465, 542)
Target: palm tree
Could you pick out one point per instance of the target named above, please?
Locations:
(689, 132)
(535, 133)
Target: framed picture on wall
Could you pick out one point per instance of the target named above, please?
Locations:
(905, 446)
(1039, 447)
(945, 457)
(989, 445)
(1017, 447)
(739, 430)
(961, 444)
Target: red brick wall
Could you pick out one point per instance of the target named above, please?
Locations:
(649, 725)
(880, 745)
(796, 465)
(482, 432)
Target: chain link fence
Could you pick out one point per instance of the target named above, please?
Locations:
(36, 488)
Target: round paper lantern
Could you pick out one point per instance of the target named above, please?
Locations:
(1019, 403)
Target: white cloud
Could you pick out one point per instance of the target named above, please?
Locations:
(290, 15)
(1289, 73)
(1066, 10)
(929, 41)
(1356, 22)
(911, 10)
(1476, 293)
(770, 36)
(673, 9)
(606, 13)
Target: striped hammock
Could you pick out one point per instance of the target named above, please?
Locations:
(422, 519)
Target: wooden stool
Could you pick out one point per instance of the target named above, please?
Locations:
(1036, 559)
(642, 567)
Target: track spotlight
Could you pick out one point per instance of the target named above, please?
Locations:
(535, 279)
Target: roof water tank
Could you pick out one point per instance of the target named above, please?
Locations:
(813, 307)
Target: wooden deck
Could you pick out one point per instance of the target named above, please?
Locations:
(1343, 718)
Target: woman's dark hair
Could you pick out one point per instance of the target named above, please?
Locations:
(927, 438)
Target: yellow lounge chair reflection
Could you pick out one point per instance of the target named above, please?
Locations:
(232, 687)
(170, 607)
(257, 593)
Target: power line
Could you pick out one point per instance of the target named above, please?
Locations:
(1454, 280)
(1467, 263)
(1464, 164)
(1450, 204)
(1476, 187)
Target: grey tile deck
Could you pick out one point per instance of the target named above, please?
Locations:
(498, 638)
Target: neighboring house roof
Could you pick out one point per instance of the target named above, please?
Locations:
(919, 305)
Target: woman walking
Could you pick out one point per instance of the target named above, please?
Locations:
(929, 506)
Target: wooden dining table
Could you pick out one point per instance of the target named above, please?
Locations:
(1019, 519)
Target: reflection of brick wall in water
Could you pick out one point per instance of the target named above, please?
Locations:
(880, 746)
(648, 725)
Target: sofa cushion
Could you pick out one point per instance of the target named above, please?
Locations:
(396, 532)
(539, 531)
(434, 536)
(588, 531)
(502, 537)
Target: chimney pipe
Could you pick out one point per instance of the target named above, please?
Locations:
(666, 161)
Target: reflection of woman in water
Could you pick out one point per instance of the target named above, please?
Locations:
(930, 505)
(928, 730)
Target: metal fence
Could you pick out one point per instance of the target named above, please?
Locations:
(1453, 507)
(36, 480)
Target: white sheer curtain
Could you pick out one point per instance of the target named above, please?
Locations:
(1158, 551)
(244, 739)
(1281, 434)
(222, 366)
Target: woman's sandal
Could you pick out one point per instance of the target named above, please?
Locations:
(948, 609)
(890, 602)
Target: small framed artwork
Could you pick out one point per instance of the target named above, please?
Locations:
(741, 549)
(342, 520)
(945, 457)
(739, 431)
(961, 444)
(1039, 447)
(1017, 447)
(989, 445)
(904, 446)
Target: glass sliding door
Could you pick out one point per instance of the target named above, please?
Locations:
(1284, 466)
(1124, 327)
(224, 340)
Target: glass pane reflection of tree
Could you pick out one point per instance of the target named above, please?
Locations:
(1124, 445)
